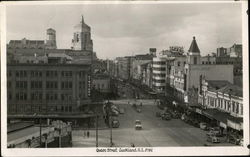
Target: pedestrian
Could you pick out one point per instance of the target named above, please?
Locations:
(132, 145)
(88, 134)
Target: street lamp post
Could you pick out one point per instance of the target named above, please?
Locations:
(96, 129)
(110, 122)
(40, 132)
(111, 142)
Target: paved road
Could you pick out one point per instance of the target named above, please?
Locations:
(155, 132)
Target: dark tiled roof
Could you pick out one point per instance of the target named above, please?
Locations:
(194, 47)
(18, 126)
(217, 84)
(144, 57)
(232, 89)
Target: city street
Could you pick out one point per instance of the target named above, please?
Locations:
(155, 133)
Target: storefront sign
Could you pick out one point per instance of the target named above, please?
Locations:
(223, 125)
(186, 99)
(89, 85)
(234, 125)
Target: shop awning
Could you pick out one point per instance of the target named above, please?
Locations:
(234, 125)
(221, 116)
(210, 113)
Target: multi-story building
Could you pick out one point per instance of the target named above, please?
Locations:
(35, 44)
(221, 52)
(51, 39)
(82, 37)
(147, 73)
(159, 74)
(223, 102)
(101, 83)
(47, 87)
(124, 67)
(137, 66)
(235, 50)
(186, 70)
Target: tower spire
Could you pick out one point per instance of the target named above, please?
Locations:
(82, 19)
(194, 47)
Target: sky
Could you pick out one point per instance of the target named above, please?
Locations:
(128, 29)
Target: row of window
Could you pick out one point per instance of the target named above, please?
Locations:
(226, 105)
(99, 86)
(23, 73)
(159, 68)
(159, 81)
(159, 75)
(49, 84)
(159, 62)
(38, 108)
(39, 96)
(207, 62)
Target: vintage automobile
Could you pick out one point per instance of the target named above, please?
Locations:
(213, 139)
(115, 123)
(216, 131)
(138, 125)
(203, 126)
(234, 139)
(166, 116)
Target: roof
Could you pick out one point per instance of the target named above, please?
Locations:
(26, 133)
(221, 116)
(232, 89)
(217, 84)
(59, 55)
(144, 57)
(18, 126)
(194, 47)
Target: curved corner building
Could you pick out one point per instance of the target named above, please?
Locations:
(159, 74)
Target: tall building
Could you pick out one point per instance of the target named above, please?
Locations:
(221, 52)
(159, 74)
(82, 37)
(193, 56)
(51, 39)
(47, 88)
(49, 43)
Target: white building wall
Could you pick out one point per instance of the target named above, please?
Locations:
(211, 72)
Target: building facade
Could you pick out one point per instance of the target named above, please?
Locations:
(82, 37)
(49, 43)
(47, 88)
(224, 101)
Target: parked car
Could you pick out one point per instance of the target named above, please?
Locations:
(166, 116)
(203, 126)
(138, 125)
(175, 115)
(213, 139)
(115, 123)
(216, 131)
(233, 139)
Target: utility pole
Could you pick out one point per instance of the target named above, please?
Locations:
(110, 123)
(96, 129)
(40, 121)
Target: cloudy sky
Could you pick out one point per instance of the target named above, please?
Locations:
(127, 29)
